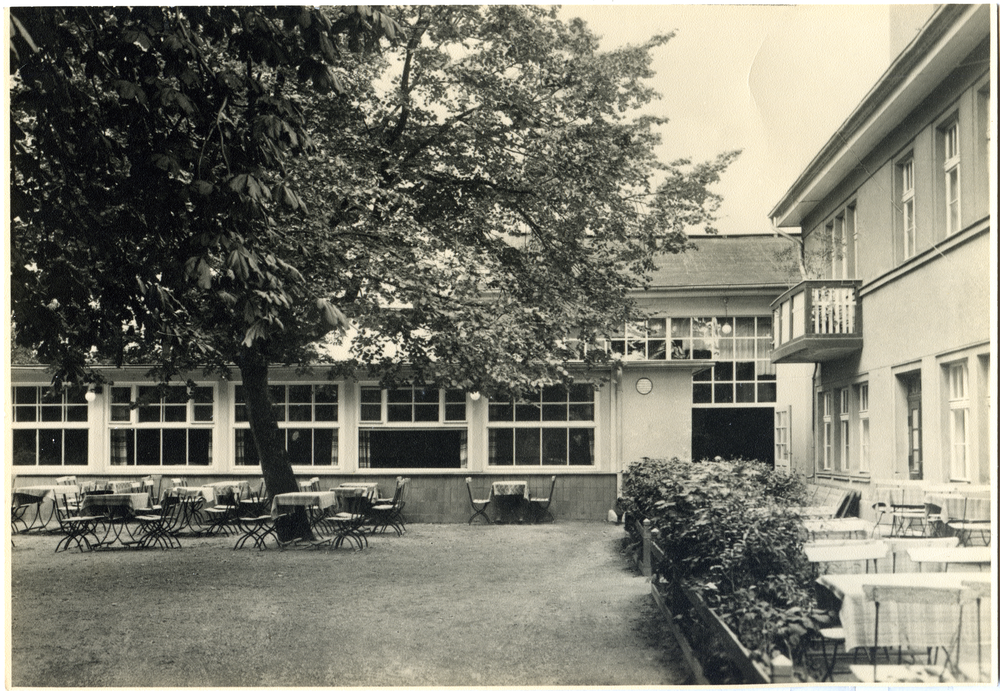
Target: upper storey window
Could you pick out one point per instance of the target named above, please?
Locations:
(907, 204)
(952, 178)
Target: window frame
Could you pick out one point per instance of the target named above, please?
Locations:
(951, 155)
(864, 429)
(69, 400)
(138, 426)
(908, 205)
(442, 405)
(826, 457)
(289, 426)
(844, 433)
(959, 405)
(541, 425)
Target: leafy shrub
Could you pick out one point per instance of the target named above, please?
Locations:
(726, 531)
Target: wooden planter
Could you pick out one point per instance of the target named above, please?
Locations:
(753, 671)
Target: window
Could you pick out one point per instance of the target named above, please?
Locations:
(307, 415)
(907, 207)
(642, 341)
(162, 425)
(743, 372)
(412, 404)
(412, 427)
(840, 241)
(952, 181)
(49, 429)
(782, 440)
(845, 429)
(827, 410)
(855, 235)
(958, 404)
(554, 426)
(864, 434)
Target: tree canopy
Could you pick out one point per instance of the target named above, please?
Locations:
(460, 195)
(469, 187)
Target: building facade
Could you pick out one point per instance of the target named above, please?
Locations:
(693, 380)
(895, 219)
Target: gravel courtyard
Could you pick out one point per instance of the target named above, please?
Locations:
(444, 605)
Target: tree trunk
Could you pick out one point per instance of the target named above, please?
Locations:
(274, 464)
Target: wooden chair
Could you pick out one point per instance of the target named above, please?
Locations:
(478, 505)
(539, 506)
(925, 635)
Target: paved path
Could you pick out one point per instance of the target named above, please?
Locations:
(445, 605)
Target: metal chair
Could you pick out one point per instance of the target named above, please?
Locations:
(348, 523)
(979, 591)
(390, 514)
(539, 506)
(975, 519)
(75, 529)
(478, 505)
(254, 521)
(930, 634)
(21, 502)
(159, 529)
(222, 516)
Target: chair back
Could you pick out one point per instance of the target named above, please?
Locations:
(899, 551)
(66, 480)
(310, 485)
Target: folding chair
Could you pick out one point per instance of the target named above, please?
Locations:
(390, 514)
(975, 519)
(349, 520)
(902, 607)
(478, 505)
(223, 514)
(254, 521)
(158, 529)
(75, 529)
(539, 506)
(20, 503)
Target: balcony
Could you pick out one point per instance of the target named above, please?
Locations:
(817, 321)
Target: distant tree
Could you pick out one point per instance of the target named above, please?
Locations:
(468, 189)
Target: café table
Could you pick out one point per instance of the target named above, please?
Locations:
(965, 508)
(357, 496)
(977, 556)
(193, 500)
(510, 498)
(857, 615)
(40, 495)
(314, 503)
(117, 510)
(240, 486)
(847, 551)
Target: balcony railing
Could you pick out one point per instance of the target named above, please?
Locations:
(817, 321)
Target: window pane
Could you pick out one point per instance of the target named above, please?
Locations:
(25, 451)
(581, 447)
(371, 412)
(454, 396)
(400, 395)
(723, 371)
(425, 396)
(745, 393)
(25, 413)
(52, 413)
(76, 413)
(149, 413)
(426, 413)
(246, 451)
(175, 413)
(326, 413)
(175, 449)
(50, 447)
(581, 412)
(581, 393)
(702, 393)
(299, 444)
(527, 412)
(744, 371)
(300, 393)
(299, 413)
(199, 446)
(745, 327)
(554, 446)
(122, 447)
(147, 446)
(554, 412)
(371, 394)
(501, 447)
(324, 441)
(326, 393)
(680, 328)
(501, 411)
(400, 413)
(25, 395)
(767, 392)
(203, 413)
(454, 412)
(527, 446)
(76, 447)
(723, 393)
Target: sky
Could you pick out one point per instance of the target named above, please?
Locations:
(775, 81)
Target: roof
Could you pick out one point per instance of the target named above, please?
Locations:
(947, 37)
(728, 261)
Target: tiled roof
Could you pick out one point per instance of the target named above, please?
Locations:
(729, 260)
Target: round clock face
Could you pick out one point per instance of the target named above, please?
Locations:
(644, 386)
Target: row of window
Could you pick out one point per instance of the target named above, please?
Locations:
(840, 235)
(846, 436)
(174, 426)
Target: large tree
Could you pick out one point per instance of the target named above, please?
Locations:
(469, 189)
